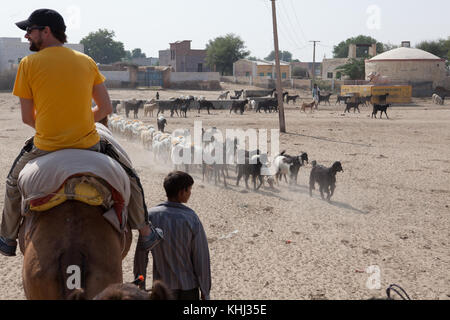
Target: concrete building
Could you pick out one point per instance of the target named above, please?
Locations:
(184, 59)
(145, 62)
(261, 68)
(329, 66)
(308, 66)
(12, 50)
(408, 65)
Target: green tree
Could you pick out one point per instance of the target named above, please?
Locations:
(253, 58)
(223, 51)
(284, 56)
(300, 72)
(341, 50)
(355, 69)
(440, 48)
(101, 47)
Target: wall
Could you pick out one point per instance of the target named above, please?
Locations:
(330, 65)
(116, 75)
(13, 49)
(241, 67)
(194, 76)
(409, 71)
(164, 57)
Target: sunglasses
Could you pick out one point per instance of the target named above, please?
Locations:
(30, 29)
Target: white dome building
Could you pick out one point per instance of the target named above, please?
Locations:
(409, 65)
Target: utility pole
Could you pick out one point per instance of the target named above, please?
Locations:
(278, 69)
(314, 62)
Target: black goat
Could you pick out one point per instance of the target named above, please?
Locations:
(246, 170)
(325, 98)
(239, 105)
(162, 122)
(185, 106)
(267, 105)
(114, 104)
(133, 105)
(380, 107)
(204, 104)
(326, 177)
(292, 98)
(354, 105)
(296, 163)
(342, 98)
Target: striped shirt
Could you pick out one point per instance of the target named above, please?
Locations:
(181, 260)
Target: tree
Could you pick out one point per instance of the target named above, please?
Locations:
(284, 56)
(341, 50)
(355, 69)
(253, 58)
(440, 48)
(101, 46)
(135, 53)
(300, 72)
(223, 51)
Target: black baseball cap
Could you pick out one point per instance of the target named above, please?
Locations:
(43, 18)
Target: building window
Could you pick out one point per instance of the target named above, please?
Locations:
(172, 54)
(330, 75)
(247, 74)
(338, 75)
(261, 74)
(284, 76)
(269, 74)
(200, 67)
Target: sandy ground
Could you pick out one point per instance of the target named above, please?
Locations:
(390, 208)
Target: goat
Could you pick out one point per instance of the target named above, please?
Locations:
(248, 169)
(292, 98)
(296, 164)
(325, 98)
(267, 105)
(223, 96)
(133, 105)
(382, 99)
(253, 104)
(162, 122)
(341, 98)
(238, 93)
(354, 105)
(380, 107)
(204, 104)
(326, 177)
(114, 104)
(309, 105)
(239, 105)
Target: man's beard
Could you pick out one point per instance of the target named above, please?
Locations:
(36, 45)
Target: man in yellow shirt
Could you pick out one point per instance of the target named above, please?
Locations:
(56, 86)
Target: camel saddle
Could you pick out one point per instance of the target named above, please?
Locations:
(73, 174)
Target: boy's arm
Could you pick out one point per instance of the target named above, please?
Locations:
(201, 261)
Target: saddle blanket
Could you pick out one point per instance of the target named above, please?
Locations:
(83, 175)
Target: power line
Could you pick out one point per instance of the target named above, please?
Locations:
(298, 21)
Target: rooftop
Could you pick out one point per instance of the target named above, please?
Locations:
(405, 53)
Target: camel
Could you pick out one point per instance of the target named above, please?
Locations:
(72, 237)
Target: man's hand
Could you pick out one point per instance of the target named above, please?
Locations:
(101, 98)
(28, 112)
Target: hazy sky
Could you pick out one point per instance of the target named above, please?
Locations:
(152, 24)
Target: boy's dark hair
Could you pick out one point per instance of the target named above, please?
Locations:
(177, 181)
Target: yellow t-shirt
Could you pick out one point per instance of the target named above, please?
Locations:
(60, 82)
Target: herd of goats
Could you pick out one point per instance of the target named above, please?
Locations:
(176, 150)
(177, 145)
(181, 105)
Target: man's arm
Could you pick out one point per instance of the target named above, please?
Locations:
(28, 113)
(201, 261)
(101, 98)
